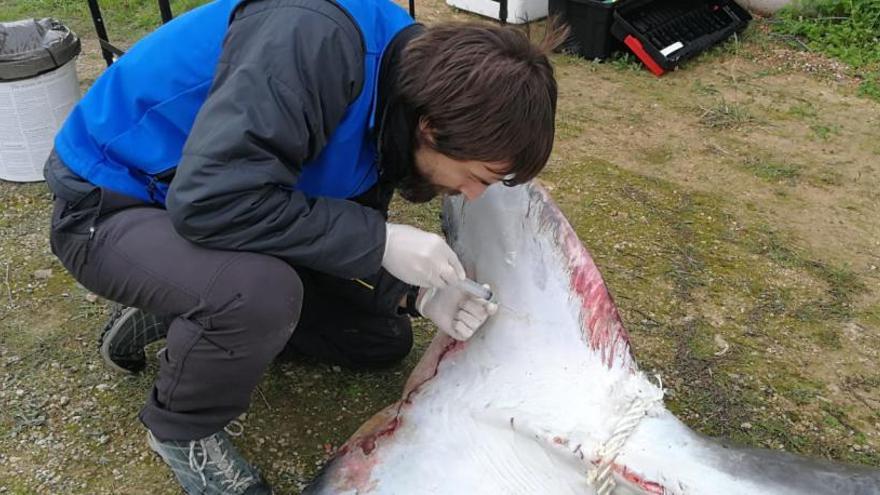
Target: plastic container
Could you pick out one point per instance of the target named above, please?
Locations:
(38, 88)
(764, 7)
(517, 12)
(590, 23)
(664, 33)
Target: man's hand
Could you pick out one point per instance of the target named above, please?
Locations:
(454, 311)
(420, 258)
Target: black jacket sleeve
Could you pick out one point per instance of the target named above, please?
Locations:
(287, 73)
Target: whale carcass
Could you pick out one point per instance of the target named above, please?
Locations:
(546, 398)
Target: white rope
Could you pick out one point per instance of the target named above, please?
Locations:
(601, 477)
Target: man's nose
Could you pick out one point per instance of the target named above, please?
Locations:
(473, 191)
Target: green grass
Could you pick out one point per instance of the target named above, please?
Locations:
(658, 155)
(870, 86)
(847, 30)
(703, 89)
(47, 349)
(125, 20)
(684, 267)
(805, 110)
(774, 172)
(674, 257)
(571, 124)
(825, 132)
(626, 61)
(724, 114)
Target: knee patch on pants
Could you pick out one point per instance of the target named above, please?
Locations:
(260, 292)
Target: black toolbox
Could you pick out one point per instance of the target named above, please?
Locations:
(661, 33)
(590, 24)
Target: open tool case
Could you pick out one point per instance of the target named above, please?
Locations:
(661, 33)
(664, 33)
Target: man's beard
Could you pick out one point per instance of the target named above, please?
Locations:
(416, 188)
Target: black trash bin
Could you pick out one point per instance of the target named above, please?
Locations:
(38, 87)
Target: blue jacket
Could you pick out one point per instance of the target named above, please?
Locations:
(129, 131)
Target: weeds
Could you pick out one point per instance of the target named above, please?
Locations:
(845, 30)
(773, 171)
(570, 124)
(701, 88)
(804, 110)
(725, 115)
(870, 87)
(824, 132)
(685, 272)
(827, 178)
(626, 62)
(125, 20)
(658, 155)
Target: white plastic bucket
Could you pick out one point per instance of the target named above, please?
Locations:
(38, 87)
(31, 112)
(518, 11)
(764, 7)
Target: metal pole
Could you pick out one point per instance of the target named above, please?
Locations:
(165, 10)
(412, 8)
(100, 30)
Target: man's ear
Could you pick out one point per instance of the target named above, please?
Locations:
(426, 132)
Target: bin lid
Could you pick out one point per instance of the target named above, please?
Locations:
(33, 46)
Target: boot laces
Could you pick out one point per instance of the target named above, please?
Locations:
(233, 479)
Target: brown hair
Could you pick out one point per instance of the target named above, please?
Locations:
(486, 93)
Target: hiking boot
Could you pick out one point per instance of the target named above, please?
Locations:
(126, 334)
(210, 466)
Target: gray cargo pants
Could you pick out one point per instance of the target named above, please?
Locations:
(231, 313)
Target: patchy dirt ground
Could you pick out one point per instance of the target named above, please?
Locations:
(732, 206)
(744, 238)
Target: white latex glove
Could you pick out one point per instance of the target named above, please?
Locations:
(420, 258)
(454, 311)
